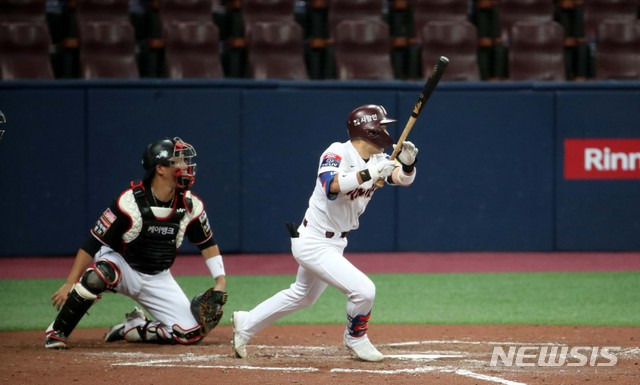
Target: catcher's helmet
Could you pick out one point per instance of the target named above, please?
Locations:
(365, 122)
(171, 152)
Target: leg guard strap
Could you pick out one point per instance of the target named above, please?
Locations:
(149, 332)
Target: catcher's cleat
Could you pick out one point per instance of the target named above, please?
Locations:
(135, 313)
(363, 348)
(55, 340)
(239, 343)
(116, 333)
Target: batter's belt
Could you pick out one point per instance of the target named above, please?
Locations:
(328, 234)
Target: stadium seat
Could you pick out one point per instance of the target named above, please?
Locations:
(362, 50)
(536, 51)
(340, 10)
(511, 11)
(102, 10)
(618, 50)
(595, 11)
(425, 11)
(276, 51)
(185, 10)
(24, 51)
(23, 10)
(107, 50)
(254, 11)
(192, 50)
(455, 39)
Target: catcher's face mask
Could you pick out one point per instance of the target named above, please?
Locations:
(184, 168)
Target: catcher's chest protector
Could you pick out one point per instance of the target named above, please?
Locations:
(155, 248)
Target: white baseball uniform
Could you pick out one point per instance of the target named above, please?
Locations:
(320, 245)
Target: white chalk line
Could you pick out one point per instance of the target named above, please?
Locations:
(461, 342)
(187, 360)
(478, 376)
(161, 364)
(460, 372)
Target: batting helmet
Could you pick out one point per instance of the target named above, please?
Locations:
(171, 152)
(366, 122)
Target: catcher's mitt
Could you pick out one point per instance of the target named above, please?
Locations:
(206, 308)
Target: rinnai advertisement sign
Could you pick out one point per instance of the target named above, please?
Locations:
(602, 158)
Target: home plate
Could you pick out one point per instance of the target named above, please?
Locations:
(422, 357)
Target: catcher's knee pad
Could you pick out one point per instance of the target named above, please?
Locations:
(104, 275)
(187, 336)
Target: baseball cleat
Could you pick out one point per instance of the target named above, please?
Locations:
(135, 313)
(55, 340)
(115, 334)
(363, 348)
(239, 343)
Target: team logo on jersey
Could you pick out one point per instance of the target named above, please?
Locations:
(100, 229)
(360, 192)
(109, 216)
(161, 230)
(104, 222)
(331, 160)
(204, 222)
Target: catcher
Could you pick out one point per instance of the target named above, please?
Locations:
(130, 250)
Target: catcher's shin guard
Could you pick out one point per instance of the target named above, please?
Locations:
(104, 275)
(73, 310)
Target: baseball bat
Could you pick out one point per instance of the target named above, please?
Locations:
(427, 90)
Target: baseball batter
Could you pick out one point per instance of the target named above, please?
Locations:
(131, 248)
(345, 183)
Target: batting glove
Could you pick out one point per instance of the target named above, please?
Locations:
(408, 153)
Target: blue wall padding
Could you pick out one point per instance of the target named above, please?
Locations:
(600, 214)
(489, 173)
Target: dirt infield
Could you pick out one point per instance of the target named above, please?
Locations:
(313, 354)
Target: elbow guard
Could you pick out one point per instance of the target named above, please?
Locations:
(404, 179)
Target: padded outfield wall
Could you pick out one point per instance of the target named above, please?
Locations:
(492, 173)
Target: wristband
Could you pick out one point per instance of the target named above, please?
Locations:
(365, 175)
(408, 169)
(216, 266)
(348, 181)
